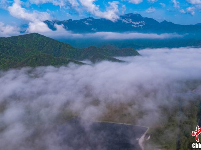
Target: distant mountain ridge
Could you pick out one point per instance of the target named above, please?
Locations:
(126, 23)
(37, 50)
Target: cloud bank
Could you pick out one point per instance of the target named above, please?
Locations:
(195, 2)
(35, 102)
(62, 33)
(151, 10)
(41, 28)
(135, 1)
(8, 30)
(111, 12)
(35, 18)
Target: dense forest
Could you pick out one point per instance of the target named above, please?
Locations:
(37, 50)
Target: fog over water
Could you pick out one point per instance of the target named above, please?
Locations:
(34, 102)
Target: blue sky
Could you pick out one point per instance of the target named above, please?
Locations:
(177, 11)
(14, 13)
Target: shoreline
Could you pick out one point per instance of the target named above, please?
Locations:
(141, 140)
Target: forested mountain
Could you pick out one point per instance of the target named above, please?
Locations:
(38, 50)
(126, 23)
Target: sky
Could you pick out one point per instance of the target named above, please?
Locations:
(14, 13)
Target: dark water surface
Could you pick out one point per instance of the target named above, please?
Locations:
(78, 135)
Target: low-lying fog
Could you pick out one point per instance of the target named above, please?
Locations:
(33, 102)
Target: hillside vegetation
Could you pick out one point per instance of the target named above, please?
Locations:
(37, 50)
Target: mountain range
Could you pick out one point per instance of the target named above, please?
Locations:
(126, 23)
(37, 50)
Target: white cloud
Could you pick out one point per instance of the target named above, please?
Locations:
(40, 27)
(111, 13)
(4, 4)
(17, 11)
(182, 11)
(37, 27)
(191, 10)
(8, 30)
(61, 32)
(126, 36)
(194, 1)
(151, 10)
(35, 18)
(38, 101)
(152, 1)
(162, 4)
(74, 3)
(135, 1)
(61, 3)
(140, 1)
(123, 9)
(176, 4)
(54, 2)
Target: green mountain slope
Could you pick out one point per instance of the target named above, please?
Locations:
(115, 51)
(10, 54)
(38, 43)
(35, 50)
(99, 57)
(108, 51)
(38, 50)
(44, 60)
